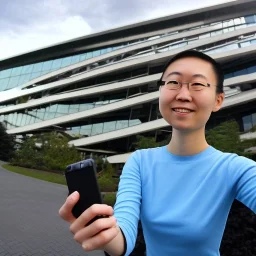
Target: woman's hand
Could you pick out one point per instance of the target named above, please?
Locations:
(96, 235)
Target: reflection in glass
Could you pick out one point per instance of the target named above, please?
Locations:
(47, 65)
(5, 73)
(109, 126)
(16, 71)
(247, 122)
(86, 130)
(97, 129)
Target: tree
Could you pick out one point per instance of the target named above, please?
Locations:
(6, 144)
(225, 137)
(49, 152)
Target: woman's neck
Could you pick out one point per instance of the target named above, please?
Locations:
(187, 143)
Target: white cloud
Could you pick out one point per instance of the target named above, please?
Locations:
(41, 35)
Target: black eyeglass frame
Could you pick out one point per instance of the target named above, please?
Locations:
(163, 83)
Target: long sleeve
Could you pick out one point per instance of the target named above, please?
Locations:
(127, 207)
(242, 173)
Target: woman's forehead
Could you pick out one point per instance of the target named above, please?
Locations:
(190, 66)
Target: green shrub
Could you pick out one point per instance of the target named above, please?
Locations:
(106, 181)
(110, 199)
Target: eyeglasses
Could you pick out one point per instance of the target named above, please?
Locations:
(175, 85)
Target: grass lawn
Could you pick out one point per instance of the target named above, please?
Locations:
(109, 197)
(42, 175)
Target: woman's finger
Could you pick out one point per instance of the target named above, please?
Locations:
(100, 240)
(66, 209)
(89, 214)
(95, 228)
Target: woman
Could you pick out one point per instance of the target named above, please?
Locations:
(182, 192)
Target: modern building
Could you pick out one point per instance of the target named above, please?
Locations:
(101, 91)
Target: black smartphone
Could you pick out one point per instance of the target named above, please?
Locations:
(81, 177)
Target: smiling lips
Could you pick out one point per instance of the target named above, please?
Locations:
(182, 110)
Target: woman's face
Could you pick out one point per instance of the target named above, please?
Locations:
(185, 109)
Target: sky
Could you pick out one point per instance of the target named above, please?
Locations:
(27, 25)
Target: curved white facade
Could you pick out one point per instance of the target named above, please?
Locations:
(103, 93)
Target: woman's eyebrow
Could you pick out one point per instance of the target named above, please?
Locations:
(200, 76)
(180, 74)
(174, 73)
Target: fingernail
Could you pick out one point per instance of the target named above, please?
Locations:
(85, 247)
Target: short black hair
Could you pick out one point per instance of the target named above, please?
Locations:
(193, 53)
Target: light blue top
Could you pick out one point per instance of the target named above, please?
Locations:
(183, 201)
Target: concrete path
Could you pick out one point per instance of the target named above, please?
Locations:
(29, 221)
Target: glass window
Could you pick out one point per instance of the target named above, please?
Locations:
(215, 33)
(75, 130)
(254, 119)
(28, 120)
(230, 47)
(247, 121)
(240, 72)
(5, 73)
(14, 119)
(74, 108)
(23, 120)
(204, 36)
(121, 124)
(63, 108)
(103, 51)
(134, 122)
(49, 115)
(56, 64)
(53, 108)
(228, 75)
(4, 83)
(110, 49)
(24, 78)
(96, 53)
(13, 82)
(88, 55)
(97, 129)
(34, 75)
(47, 65)
(250, 19)
(237, 21)
(27, 69)
(59, 114)
(86, 130)
(75, 59)
(40, 115)
(253, 41)
(66, 61)
(241, 26)
(44, 72)
(251, 69)
(19, 118)
(82, 57)
(37, 67)
(109, 126)
(245, 44)
(16, 71)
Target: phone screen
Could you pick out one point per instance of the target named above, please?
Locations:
(81, 177)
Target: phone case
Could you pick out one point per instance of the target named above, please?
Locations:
(81, 177)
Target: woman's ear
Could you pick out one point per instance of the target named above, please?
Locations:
(218, 101)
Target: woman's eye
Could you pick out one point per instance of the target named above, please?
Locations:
(172, 82)
(197, 84)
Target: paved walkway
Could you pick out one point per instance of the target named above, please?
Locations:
(29, 221)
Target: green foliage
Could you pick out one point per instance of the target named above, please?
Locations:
(109, 199)
(148, 142)
(225, 137)
(54, 154)
(6, 144)
(106, 181)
